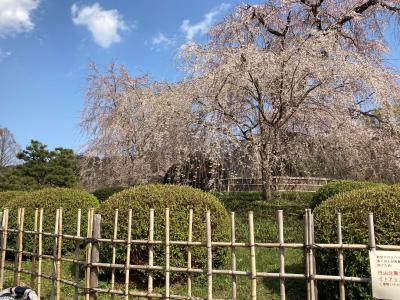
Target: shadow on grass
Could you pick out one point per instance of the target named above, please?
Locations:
(295, 288)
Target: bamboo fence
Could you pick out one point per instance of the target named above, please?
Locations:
(278, 183)
(88, 287)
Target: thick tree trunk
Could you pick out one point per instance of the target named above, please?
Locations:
(266, 185)
(266, 176)
(267, 144)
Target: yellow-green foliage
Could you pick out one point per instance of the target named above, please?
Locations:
(50, 199)
(8, 196)
(339, 186)
(179, 199)
(384, 202)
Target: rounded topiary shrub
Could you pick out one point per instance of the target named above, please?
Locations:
(179, 199)
(336, 187)
(6, 197)
(104, 193)
(50, 199)
(384, 202)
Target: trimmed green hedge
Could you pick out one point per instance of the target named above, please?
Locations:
(50, 199)
(338, 186)
(6, 197)
(384, 202)
(179, 199)
(104, 193)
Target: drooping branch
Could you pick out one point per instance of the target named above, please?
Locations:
(358, 10)
(394, 9)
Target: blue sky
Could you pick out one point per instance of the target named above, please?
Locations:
(46, 46)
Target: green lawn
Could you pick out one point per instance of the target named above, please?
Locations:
(293, 205)
(265, 224)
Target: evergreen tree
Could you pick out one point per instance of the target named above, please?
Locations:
(41, 168)
(61, 168)
(11, 180)
(36, 159)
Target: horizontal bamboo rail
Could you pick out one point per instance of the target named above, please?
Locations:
(86, 257)
(278, 184)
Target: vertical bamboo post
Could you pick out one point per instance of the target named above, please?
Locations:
(167, 254)
(53, 277)
(371, 232)
(233, 256)
(306, 253)
(209, 258)
(18, 260)
(1, 217)
(253, 273)
(77, 254)
(59, 251)
(281, 255)
(151, 251)
(312, 254)
(34, 248)
(189, 254)
(88, 253)
(16, 246)
(4, 225)
(95, 255)
(40, 252)
(340, 257)
(114, 252)
(128, 255)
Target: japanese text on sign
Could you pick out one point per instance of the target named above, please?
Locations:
(385, 274)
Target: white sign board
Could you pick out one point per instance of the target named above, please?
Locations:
(385, 274)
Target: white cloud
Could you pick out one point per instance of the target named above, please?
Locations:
(4, 54)
(15, 16)
(105, 25)
(161, 41)
(191, 30)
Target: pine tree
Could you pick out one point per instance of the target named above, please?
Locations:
(41, 167)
